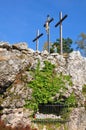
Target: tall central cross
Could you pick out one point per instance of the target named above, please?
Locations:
(47, 27)
(60, 23)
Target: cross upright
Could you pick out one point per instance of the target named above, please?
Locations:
(60, 23)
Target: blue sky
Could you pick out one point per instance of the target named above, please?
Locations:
(20, 20)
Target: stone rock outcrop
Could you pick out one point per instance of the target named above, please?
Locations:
(20, 46)
(77, 119)
(14, 117)
(76, 67)
(18, 92)
(16, 60)
(12, 62)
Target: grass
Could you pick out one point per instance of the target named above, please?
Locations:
(50, 121)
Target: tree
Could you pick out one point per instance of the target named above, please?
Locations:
(66, 45)
(45, 47)
(81, 43)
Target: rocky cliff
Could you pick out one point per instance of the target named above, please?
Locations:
(15, 60)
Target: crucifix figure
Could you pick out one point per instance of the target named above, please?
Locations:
(60, 23)
(47, 28)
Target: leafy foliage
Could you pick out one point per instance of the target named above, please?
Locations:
(81, 43)
(46, 84)
(71, 100)
(66, 45)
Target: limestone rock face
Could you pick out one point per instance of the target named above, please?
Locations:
(76, 67)
(11, 63)
(14, 77)
(15, 62)
(20, 46)
(18, 92)
(15, 117)
(77, 119)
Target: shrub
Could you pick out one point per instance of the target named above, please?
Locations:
(46, 84)
(71, 101)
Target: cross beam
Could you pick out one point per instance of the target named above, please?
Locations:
(49, 21)
(37, 38)
(61, 20)
(60, 23)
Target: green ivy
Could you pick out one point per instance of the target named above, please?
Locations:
(46, 84)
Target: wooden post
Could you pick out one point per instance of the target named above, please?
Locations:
(61, 44)
(37, 41)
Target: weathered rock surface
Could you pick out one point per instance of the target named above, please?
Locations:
(12, 62)
(18, 92)
(77, 119)
(15, 60)
(15, 117)
(76, 67)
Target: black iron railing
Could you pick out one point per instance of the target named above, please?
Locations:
(57, 109)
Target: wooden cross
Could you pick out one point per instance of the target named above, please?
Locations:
(37, 38)
(47, 27)
(60, 23)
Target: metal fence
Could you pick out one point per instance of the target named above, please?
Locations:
(57, 109)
